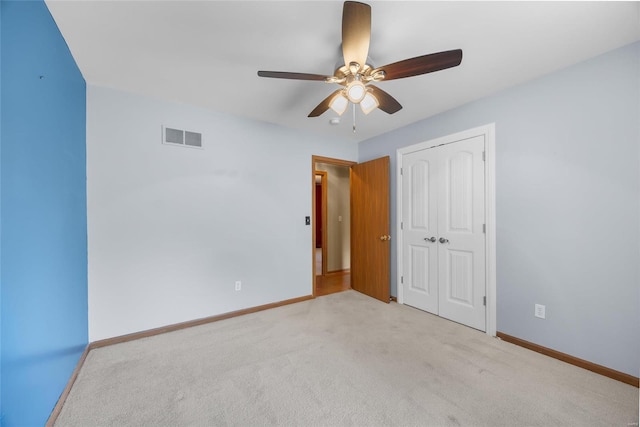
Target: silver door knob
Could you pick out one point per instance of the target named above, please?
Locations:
(443, 240)
(432, 239)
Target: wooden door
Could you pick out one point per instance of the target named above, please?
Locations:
(370, 237)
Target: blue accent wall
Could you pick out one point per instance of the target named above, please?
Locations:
(0, 213)
(43, 240)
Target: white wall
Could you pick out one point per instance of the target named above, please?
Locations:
(567, 204)
(170, 229)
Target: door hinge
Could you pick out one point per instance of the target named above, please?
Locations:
(401, 225)
(484, 156)
(484, 300)
(400, 171)
(484, 228)
(401, 279)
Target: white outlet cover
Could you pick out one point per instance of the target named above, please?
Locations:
(540, 311)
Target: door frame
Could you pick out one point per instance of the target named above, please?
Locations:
(320, 159)
(488, 132)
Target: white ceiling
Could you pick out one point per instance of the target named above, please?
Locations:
(207, 53)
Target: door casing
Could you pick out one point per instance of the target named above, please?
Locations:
(488, 132)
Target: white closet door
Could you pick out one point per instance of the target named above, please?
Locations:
(443, 196)
(420, 227)
(461, 253)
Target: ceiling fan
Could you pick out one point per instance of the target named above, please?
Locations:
(356, 75)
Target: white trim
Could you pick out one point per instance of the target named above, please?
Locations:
(488, 132)
(400, 259)
(490, 219)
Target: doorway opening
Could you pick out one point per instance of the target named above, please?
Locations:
(320, 226)
(331, 225)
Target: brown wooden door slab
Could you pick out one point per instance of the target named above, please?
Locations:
(370, 244)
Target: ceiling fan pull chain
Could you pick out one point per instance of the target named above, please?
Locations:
(354, 118)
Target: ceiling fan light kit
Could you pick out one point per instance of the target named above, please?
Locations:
(339, 104)
(369, 103)
(356, 74)
(355, 91)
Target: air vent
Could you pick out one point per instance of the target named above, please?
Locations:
(181, 137)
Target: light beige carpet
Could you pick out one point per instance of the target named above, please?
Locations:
(343, 359)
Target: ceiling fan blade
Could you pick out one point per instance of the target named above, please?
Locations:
(324, 105)
(421, 65)
(292, 76)
(356, 32)
(387, 103)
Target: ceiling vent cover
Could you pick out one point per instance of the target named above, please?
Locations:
(185, 138)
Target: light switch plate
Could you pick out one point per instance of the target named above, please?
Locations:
(540, 311)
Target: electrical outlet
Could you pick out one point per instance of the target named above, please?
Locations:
(540, 311)
(238, 285)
